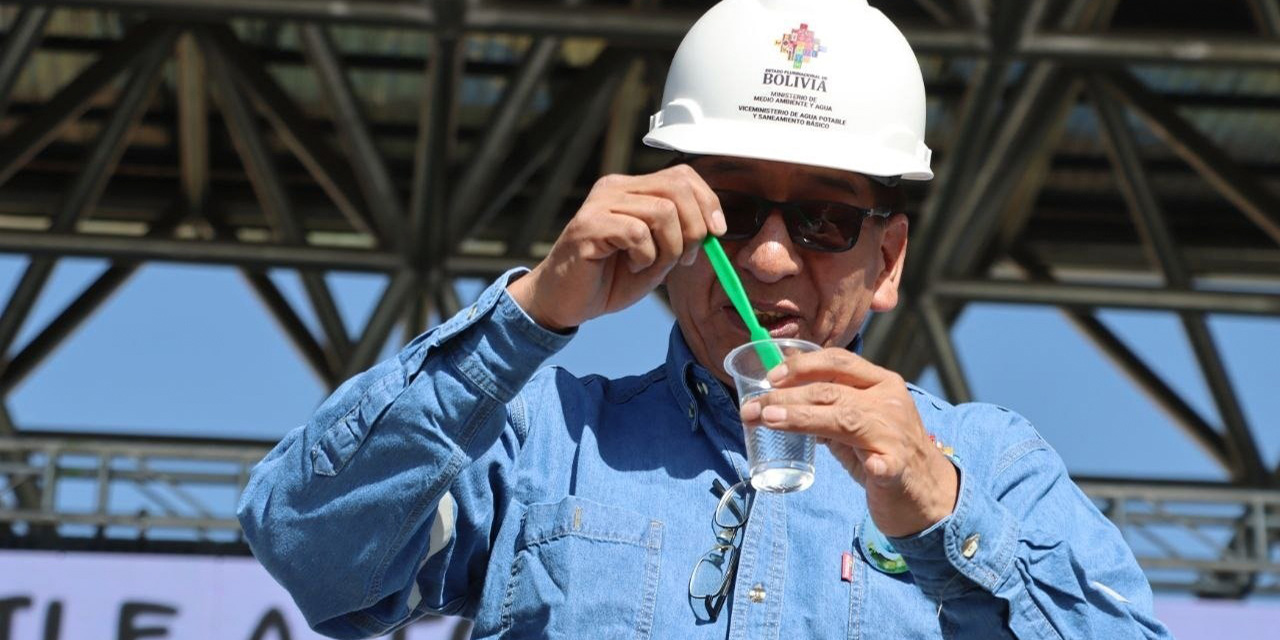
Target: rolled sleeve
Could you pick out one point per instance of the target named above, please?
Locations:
(499, 357)
(974, 546)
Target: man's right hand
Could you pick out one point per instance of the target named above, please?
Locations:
(619, 246)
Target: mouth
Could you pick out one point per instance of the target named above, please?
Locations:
(781, 321)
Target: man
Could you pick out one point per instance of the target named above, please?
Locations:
(457, 478)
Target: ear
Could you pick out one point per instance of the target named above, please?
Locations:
(893, 252)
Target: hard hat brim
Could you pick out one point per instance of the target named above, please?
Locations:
(796, 145)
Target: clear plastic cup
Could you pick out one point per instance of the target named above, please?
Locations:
(779, 462)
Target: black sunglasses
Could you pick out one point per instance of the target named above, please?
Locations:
(817, 225)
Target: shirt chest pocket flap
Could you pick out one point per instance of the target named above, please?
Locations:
(581, 562)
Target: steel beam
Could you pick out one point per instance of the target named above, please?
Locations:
(1145, 208)
(83, 193)
(546, 137)
(429, 217)
(437, 146)
(1124, 261)
(193, 125)
(1040, 103)
(948, 362)
(631, 26)
(500, 134)
(21, 39)
(1132, 365)
(74, 314)
(1105, 49)
(1267, 15)
(573, 156)
(617, 151)
(402, 287)
(371, 171)
(294, 328)
(1088, 296)
(33, 353)
(290, 123)
(664, 29)
(25, 492)
(275, 201)
(249, 254)
(19, 147)
(1251, 196)
(939, 13)
(447, 301)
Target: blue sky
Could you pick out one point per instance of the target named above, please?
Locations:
(188, 350)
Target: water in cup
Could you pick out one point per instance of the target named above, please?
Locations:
(779, 462)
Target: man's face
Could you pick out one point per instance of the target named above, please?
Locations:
(796, 292)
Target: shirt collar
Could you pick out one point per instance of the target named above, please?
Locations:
(679, 369)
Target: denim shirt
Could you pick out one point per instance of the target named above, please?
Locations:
(461, 477)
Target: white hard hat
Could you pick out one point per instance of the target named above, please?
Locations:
(829, 83)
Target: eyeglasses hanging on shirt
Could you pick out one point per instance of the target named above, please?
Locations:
(713, 576)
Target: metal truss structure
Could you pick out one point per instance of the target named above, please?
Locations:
(1091, 154)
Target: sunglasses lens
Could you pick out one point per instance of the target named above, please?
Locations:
(740, 214)
(814, 225)
(825, 226)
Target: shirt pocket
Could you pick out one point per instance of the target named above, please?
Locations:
(583, 569)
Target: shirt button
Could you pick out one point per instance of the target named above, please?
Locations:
(702, 388)
(756, 593)
(970, 546)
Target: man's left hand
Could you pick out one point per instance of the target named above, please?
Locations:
(865, 415)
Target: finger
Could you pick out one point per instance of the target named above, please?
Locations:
(848, 458)
(830, 365)
(675, 188)
(662, 217)
(818, 393)
(837, 423)
(704, 205)
(693, 225)
(708, 202)
(612, 233)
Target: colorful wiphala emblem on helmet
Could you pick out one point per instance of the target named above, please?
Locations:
(800, 45)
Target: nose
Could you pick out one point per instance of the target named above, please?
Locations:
(770, 255)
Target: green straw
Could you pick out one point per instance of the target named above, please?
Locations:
(769, 353)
